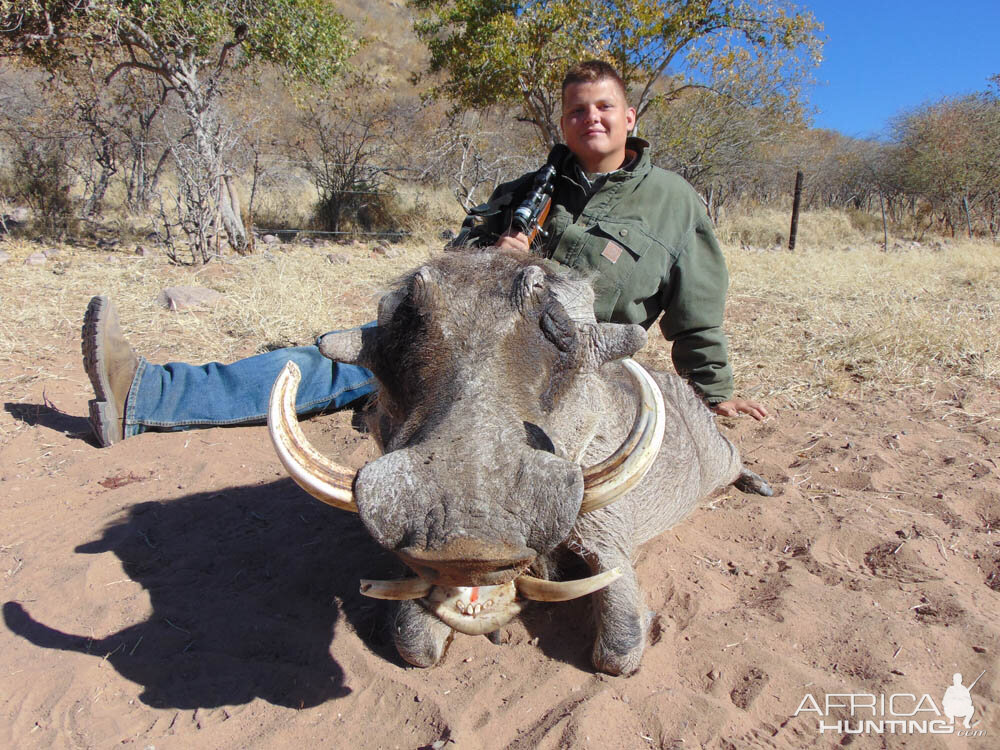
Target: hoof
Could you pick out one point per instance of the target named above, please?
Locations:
(421, 638)
(752, 483)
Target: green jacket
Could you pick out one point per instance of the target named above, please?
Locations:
(647, 244)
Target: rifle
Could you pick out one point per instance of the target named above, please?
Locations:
(534, 209)
(976, 680)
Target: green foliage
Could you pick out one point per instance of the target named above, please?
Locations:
(42, 179)
(304, 37)
(516, 51)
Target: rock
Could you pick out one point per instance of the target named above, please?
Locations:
(269, 239)
(4, 256)
(188, 297)
(338, 259)
(143, 251)
(20, 215)
(387, 252)
(384, 249)
(35, 259)
(50, 252)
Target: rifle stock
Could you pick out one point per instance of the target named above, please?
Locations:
(536, 226)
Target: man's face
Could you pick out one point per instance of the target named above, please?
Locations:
(595, 122)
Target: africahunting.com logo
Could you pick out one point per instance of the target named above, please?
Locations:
(896, 713)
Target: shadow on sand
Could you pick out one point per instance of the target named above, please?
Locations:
(247, 587)
(46, 415)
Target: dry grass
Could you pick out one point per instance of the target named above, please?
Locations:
(823, 229)
(803, 326)
(863, 323)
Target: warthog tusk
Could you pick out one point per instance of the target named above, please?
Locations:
(405, 588)
(606, 481)
(477, 610)
(541, 590)
(313, 472)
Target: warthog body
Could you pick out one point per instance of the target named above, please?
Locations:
(496, 386)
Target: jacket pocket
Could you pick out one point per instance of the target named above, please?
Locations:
(625, 234)
(623, 254)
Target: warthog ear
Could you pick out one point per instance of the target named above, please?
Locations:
(353, 346)
(611, 341)
(529, 288)
(388, 304)
(423, 286)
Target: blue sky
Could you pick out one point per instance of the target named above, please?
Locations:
(885, 56)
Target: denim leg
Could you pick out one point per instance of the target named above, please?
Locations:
(178, 396)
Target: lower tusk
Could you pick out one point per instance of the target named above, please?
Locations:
(406, 588)
(313, 472)
(560, 591)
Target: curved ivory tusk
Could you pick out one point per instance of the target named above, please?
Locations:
(618, 473)
(541, 590)
(313, 472)
(405, 588)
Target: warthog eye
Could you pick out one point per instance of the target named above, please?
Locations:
(537, 438)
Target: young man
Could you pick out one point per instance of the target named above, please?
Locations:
(640, 231)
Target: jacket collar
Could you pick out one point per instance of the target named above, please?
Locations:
(636, 161)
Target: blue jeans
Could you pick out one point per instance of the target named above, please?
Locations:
(178, 396)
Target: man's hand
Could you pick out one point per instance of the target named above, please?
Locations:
(514, 241)
(736, 406)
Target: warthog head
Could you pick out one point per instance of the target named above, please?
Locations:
(475, 354)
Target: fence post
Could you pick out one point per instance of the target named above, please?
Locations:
(795, 210)
(885, 229)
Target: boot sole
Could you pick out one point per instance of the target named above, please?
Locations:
(104, 417)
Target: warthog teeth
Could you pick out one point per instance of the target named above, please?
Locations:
(472, 609)
(457, 607)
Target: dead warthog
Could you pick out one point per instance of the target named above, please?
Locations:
(512, 429)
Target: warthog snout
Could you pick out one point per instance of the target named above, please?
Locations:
(468, 562)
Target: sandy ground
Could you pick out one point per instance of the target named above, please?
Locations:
(177, 591)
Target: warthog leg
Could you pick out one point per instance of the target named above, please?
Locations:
(622, 620)
(753, 483)
(420, 637)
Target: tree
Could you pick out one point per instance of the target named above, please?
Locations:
(516, 51)
(948, 154)
(191, 46)
(346, 153)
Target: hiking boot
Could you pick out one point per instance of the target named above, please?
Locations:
(111, 364)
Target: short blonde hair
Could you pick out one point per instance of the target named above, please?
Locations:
(591, 71)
